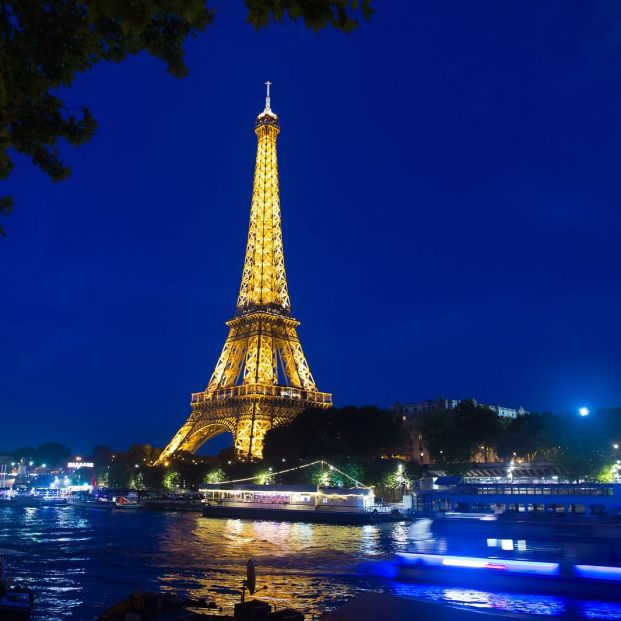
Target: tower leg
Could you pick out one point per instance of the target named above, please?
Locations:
(254, 422)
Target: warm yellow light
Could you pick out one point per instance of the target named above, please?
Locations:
(262, 377)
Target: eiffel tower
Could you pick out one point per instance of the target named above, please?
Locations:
(262, 378)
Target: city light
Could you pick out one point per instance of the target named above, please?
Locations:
(584, 411)
(80, 464)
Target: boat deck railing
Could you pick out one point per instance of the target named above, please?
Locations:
(555, 489)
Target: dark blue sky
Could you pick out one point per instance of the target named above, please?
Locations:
(451, 190)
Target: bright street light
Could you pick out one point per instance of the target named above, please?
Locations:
(615, 446)
(584, 411)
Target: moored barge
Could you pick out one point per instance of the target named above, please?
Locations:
(295, 503)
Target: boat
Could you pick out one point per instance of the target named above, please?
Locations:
(173, 504)
(16, 601)
(82, 502)
(21, 500)
(296, 503)
(53, 501)
(32, 498)
(453, 551)
(126, 503)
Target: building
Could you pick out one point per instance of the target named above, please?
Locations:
(435, 405)
(410, 414)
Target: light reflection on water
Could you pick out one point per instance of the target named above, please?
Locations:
(80, 561)
(510, 602)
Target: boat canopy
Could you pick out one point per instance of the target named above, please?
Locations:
(301, 489)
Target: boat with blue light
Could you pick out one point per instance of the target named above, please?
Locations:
(574, 565)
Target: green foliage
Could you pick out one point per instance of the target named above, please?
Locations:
(530, 436)
(445, 441)
(214, 476)
(171, 480)
(316, 14)
(264, 477)
(323, 478)
(136, 480)
(44, 45)
(455, 437)
(323, 475)
(607, 474)
(396, 477)
(102, 476)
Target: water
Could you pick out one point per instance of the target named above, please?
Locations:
(82, 560)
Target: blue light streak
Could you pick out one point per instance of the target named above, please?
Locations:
(473, 562)
(598, 572)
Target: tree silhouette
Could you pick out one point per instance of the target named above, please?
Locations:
(44, 45)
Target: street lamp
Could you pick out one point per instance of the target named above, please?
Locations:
(583, 411)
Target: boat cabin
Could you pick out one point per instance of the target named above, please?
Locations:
(289, 497)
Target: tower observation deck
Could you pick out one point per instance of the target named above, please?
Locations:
(262, 378)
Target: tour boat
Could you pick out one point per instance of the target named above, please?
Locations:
(32, 498)
(295, 503)
(53, 501)
(16, 602)
(580, 563)
(126, 503)
(82, 502)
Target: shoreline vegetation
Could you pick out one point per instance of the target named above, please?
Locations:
(368, 444)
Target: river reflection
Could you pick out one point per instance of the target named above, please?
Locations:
(82, 560)
(305, 566)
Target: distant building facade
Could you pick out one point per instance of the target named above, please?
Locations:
(435, 405)
(410, 414)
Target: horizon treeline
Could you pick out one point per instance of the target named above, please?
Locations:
(371, 445)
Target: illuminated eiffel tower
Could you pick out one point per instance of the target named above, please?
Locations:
(262, 378)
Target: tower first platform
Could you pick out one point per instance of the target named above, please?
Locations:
(262, 378)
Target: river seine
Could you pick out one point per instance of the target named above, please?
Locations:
(79, 561)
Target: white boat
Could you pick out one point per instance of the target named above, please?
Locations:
(91, 503)
(295, 503)
(126, 503)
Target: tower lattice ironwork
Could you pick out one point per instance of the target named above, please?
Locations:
(262, 378)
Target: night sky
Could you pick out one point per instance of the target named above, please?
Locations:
(451, 190)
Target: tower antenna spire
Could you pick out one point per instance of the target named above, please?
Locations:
(267, 98)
